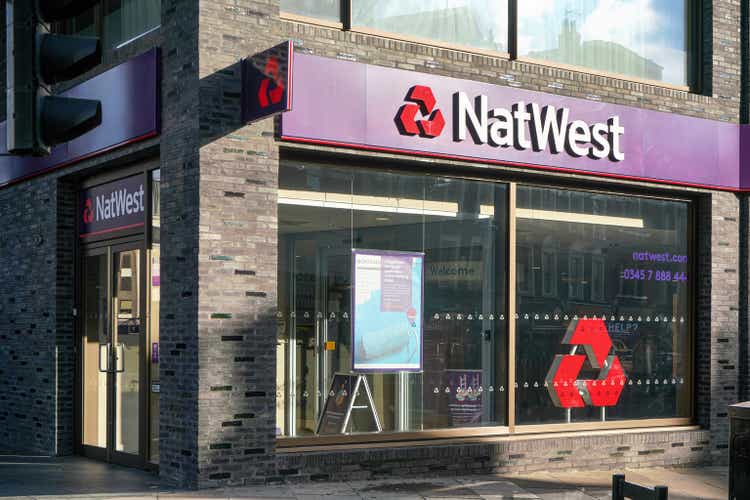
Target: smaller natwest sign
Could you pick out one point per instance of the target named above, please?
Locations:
(114, 206)
(267, 82)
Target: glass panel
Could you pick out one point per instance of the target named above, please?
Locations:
(472, 23)
(95, 333)
(617, 266)
(154, 384)
(460, 226)
(129, 330)
(640, 38)
(154, 294)
(330, 10)
(126, 19)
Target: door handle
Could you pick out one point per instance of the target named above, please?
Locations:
(119, 358)
(104, 357)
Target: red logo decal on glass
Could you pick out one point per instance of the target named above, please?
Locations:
(562, 382)
(88, 212)
(267, 97)
(422, 104)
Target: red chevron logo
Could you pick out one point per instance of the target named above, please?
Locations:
(409, 118)
(563, 385)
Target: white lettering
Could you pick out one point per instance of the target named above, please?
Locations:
(578, 133)
(476, 114)
(615, 131)
(600, 141)
(118, 203)
(501, 129)
(546, 120)
(533, 127)
(521, 116)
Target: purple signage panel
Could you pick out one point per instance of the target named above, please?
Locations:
(114, 206)
(382, 109)
(267, 82)
(387, 312)
(129, 94)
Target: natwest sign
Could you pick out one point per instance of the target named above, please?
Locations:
(343, 103)
(114, 206)
(531, 126)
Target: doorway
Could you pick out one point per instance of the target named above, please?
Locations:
(114, 359)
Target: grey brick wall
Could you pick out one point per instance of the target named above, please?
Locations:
(597, 451)
(180, 174)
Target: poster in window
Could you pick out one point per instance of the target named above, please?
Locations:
(338, 404)
(388, 310)
(465, 400)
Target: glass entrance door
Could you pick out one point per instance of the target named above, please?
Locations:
(112, 362)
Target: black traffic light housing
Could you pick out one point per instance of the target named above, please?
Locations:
(37, 59)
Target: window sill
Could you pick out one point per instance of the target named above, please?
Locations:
(498, 434)
(296, 18)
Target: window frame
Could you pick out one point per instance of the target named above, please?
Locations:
(469, 434)
(99, 9)
(693, 25)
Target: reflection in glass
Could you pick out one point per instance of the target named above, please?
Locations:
(127, 19)
(640, 38)
(329, 10)
(154, 294)
(622, 257)
(460, 226)
(472, 23)
(96, 333)
(129, 331)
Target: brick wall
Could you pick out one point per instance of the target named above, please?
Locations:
(180, 174)
(592, 451)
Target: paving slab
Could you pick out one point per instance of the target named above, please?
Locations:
(77, 478)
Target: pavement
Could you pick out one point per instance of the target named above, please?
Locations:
(78, 478)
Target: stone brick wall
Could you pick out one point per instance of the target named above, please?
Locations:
(180, 176)
(592, 451)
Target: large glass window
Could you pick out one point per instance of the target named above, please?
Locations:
(619, 265)
(116, 22)
(460, 226)
(472, 23)
(328, 10)
(641, 38)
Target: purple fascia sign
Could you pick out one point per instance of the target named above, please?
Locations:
(115, 206)
(348, 104)
(129, 94)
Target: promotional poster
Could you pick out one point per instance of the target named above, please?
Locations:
(387, 326)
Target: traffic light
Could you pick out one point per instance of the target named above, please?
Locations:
(37, 59)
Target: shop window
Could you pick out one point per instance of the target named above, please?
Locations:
(327, 10)
(632, 284)
(116, 22)
(460, 229)
(646, 39)
(650, 40)
(481, 24)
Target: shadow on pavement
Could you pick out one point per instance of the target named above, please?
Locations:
(34, 476)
